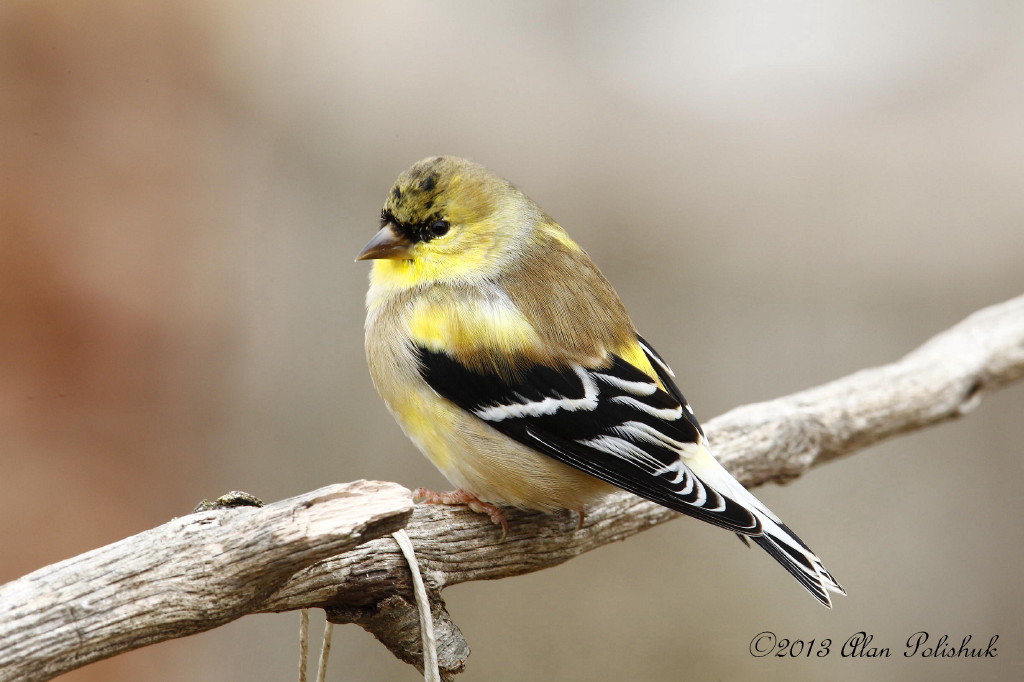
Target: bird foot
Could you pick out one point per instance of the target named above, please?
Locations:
(467, 499)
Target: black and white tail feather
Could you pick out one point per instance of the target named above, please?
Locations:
(620, 426)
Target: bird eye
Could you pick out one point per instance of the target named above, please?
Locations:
(439, 228)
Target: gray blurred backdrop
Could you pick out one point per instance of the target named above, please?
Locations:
(782, 192)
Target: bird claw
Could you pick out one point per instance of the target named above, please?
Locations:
(465, 499)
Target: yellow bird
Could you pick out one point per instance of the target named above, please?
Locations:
(509, 360)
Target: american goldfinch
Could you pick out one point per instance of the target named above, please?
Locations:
(509, 360)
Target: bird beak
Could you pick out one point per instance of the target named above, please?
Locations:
(387, 244)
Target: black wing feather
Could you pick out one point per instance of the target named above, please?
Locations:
(533, 409)
(664, 374)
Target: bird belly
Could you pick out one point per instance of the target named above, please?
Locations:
(477, 458)
(470, 453)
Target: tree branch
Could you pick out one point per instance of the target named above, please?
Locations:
(198, 572)
(189, 575)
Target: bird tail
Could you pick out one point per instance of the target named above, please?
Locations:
(776, 538)
(789, 550)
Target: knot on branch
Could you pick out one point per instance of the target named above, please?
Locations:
(394, 621)
(972, 397)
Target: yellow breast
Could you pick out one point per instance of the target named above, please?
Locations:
(482, 332)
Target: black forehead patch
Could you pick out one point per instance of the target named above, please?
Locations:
(415, 200)
(413, 231)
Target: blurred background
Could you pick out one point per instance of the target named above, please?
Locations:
(782, 192)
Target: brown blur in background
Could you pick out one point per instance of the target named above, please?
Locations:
(782, 192)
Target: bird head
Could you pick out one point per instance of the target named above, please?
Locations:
(447, 218)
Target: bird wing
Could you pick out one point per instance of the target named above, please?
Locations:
(619, 424)
(616, 423)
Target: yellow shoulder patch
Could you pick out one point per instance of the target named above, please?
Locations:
(634, 355)
(554, 231)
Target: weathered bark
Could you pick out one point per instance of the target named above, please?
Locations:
(198, 572)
